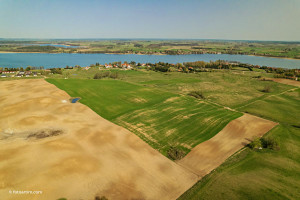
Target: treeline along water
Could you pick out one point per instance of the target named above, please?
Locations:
(62, 60)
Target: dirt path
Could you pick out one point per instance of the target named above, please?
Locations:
(210, 154)
(66, 150)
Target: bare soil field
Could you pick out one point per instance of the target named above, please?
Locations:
(66, 150)
(210, 154)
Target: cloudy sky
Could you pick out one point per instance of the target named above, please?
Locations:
(186, 19)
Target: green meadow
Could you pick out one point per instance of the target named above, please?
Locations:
(231, 88)
(284, 108)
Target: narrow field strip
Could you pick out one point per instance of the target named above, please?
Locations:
(210, 154)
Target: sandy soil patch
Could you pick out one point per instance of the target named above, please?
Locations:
(171, 99)
(286, 81)
(67, 150)
(210, 154)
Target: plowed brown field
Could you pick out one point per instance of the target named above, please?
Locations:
(210, 154)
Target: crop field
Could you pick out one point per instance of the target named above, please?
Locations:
(160, 118)
(156, 106)
(159, 108)
(249, 174)
(67, 151)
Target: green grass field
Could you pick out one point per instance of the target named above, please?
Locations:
(161, 118)
(283, 108)
(231, 88)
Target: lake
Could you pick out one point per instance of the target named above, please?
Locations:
(55, 45)
(61, 60)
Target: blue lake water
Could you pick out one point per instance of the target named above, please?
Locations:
(61, 60)
(55, 45)
(75, 100)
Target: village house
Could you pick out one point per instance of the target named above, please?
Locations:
(126, 66)
(8, 72)
(21, 73)
(108, 66)
(28, 73)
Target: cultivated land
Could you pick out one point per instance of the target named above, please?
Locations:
(160, 118)
(238, 89)
(67, 150)
(258, 48)
(260, 174)
(157, 107)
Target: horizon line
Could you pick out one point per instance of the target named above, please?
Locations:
(115, 38)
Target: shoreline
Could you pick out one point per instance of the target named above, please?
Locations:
(269, 56)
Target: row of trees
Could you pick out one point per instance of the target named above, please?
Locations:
(189, 66)
(36, 49)
(20, 68)
(199, 66)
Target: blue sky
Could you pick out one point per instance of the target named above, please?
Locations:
(190, 19)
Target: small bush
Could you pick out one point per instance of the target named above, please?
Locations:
(107, 74)
(266, 142)
(174, 153)
(197, 94)
(256, 77)
(114, 75)
(270, 143)
(266, 89)
(255, 144)
(265, 79)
